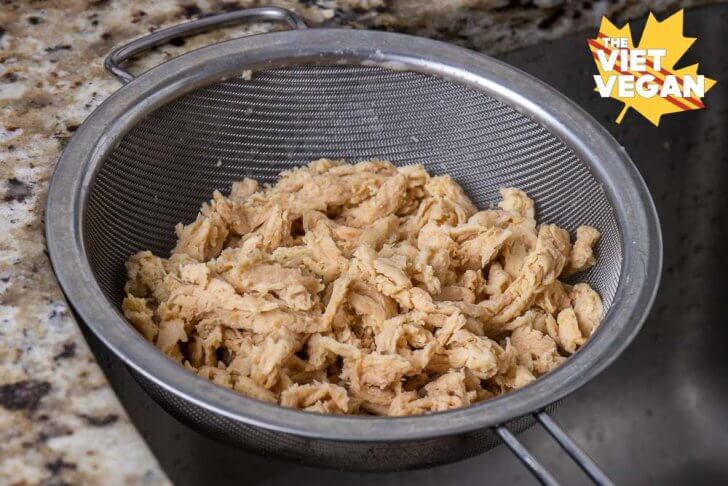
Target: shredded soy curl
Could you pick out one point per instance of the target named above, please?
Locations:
(365, 289)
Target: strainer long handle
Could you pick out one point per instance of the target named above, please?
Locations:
(118, 56)
(540, 471)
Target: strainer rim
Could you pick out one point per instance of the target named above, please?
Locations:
(642, 254)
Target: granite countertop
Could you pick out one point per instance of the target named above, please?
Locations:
(60, 421)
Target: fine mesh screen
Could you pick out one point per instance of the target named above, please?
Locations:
(361, 456)
(173, 160)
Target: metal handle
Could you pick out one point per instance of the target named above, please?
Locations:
(113, 61)
(586, 463)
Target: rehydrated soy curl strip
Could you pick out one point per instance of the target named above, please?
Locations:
(366, 289)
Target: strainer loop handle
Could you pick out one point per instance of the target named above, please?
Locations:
(118, 56)
(540, 471)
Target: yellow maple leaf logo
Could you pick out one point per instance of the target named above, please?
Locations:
(644, 77)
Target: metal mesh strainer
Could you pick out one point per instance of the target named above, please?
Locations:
(157, 148)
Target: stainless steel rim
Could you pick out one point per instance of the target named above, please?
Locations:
(642, 244)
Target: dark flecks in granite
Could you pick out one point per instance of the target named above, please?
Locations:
(177, 42)
(550, 20)
(358, 9)
(34, 20)
(23, 395)
(137, 16)
(62, 139)
(59, 47)
(190, 10)
(99, 420)
(10, 77)
(515, 4)
(346, 17)
(16, 190)
(68, 351)
(54, 314)
(230, 6)
(517, 22)
(51, 429)
(2, 32)
(72, 127)
(58, 465)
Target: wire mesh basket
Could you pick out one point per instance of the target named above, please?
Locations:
(147, 156)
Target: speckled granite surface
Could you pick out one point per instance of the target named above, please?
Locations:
(59, 419)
